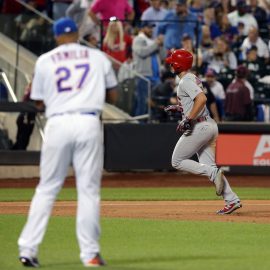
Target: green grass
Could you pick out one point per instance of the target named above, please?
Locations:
(137, 194)
(147, 244)
(135, 244)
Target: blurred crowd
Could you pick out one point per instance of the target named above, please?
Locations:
(229, 40)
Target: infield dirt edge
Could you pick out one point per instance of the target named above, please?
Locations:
(253, 211)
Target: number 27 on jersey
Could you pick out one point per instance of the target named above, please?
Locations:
(68, 80)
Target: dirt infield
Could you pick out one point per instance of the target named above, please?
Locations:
(252, 211)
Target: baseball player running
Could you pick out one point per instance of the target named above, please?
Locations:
(71, 80)
(199, 131)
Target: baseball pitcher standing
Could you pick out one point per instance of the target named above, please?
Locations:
(199, 131)
(71, 81)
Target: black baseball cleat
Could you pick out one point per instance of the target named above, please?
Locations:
(29, 262)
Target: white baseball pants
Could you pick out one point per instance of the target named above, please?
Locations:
(69, 139)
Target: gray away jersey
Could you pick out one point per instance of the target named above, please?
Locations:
(188, 88)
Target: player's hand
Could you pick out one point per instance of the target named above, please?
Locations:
(185, 126)
(173, 109)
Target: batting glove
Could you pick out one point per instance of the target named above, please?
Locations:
(173, 109)
(185, 126)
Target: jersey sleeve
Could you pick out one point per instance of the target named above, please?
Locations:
(192, 88)
(37, 92)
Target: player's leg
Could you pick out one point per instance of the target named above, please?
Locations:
(206, 155)
(55, 159)
(88, 165)
(187, 146)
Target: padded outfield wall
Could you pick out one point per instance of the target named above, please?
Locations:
(242, 148)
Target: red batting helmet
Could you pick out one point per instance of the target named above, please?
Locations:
(180, 60)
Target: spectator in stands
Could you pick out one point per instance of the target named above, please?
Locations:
(256, 68)
(25, 124)
(147, 62)
(239, 40)
(105, 9)
(207, 41)
(225, 29)
(33, 29)
(116, 43)
(246, 80)
(217, 89)
(254, 64)
(162, 96)
(253, 38)
(241, 15)
(27, 15)
(177, 23)
(154, 13)
(197, 8)
(260, 15)
(209, 16)
(35, 34)
(91, 36)
(238, 103)
(221, 58)
(59, 8)
(187, 44)
(78, 11)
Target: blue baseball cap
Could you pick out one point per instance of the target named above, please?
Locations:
(64, 26)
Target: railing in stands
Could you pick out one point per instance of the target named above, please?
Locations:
(15, 99)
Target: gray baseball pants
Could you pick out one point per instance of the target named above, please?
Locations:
(202, 141)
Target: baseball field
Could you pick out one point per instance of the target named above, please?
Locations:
(149, 221)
